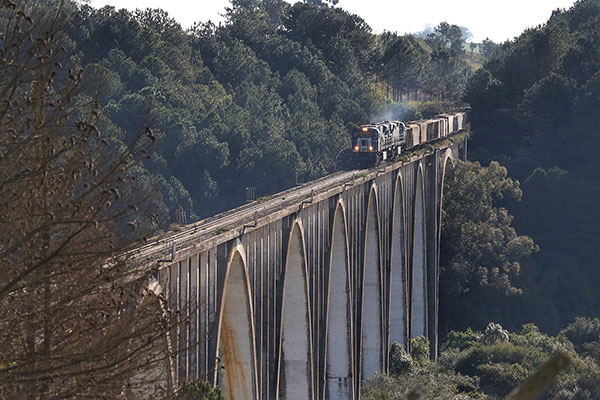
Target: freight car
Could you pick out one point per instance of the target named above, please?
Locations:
(386, 140)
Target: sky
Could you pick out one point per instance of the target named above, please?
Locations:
(497, 20)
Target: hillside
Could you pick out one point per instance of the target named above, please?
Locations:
(535, 108)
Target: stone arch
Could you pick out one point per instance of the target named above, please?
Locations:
(418, 326)
(398, 292)
(371, 326)
(162, 374)
(235, 339)
(295, 356)
(339, 358)
(447, 161)
(448, 156)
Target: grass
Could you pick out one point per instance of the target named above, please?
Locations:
(175, 227)
(459, 137)
(264, 198)
(221, 230)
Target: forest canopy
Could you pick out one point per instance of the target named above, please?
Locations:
(263, 100)
(535, 109)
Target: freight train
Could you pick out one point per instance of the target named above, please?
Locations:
(386, 140)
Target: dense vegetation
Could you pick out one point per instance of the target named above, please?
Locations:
(489, 364)
(481, 253)
(535, 109)
(264, 99)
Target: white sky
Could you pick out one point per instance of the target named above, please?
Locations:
(498, 20)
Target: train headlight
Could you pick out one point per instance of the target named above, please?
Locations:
(365, 129)
(355, 148)
(370, 148)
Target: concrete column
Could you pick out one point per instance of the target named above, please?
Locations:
(237, 375)
(173, 301)
(184, 316)
(193, 329)
(202, 315)
(419, 278)
(372, 356)
(339, 361)
(398, 308)
(296, 373)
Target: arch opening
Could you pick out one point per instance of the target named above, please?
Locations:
(419, 273)
(445, 307)
(237, 378)
(398, 271)
(296, 374)
(372, 354)
(339, 382)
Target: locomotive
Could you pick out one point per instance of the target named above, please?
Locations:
(386, 140)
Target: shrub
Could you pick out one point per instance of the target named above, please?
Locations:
(400, 361)
(199, 390)
(419, 350)
(583, 330)
(461, 340)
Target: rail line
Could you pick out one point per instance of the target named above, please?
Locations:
(162, 244)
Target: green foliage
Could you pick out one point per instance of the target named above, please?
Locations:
(429, 109)
(500, 366)
(269, 95)
(584, 333)
(253, 102)
(473, 367)
(470, 366)
(413, 375)
(460, 340)
(198, 390)
(481, 252)
(417, 68)
(401, 362)
(448, 36)
(503, 366)
(535, 107)
(488, 47)
(419, 350)
(430, 383)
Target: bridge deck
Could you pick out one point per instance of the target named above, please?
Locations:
(217, 229)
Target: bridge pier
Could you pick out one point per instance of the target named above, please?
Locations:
(339, 360)
(371, 321)
(306, 300)
(295, 356)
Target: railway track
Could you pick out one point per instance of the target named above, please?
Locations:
(160, 245)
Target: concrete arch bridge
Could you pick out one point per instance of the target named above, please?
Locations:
(301, 295)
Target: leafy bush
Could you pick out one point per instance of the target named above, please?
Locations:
(199, 390)
(461, 340)
(583, 332)
(419, 350)
(430, 382)
(401, 362)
